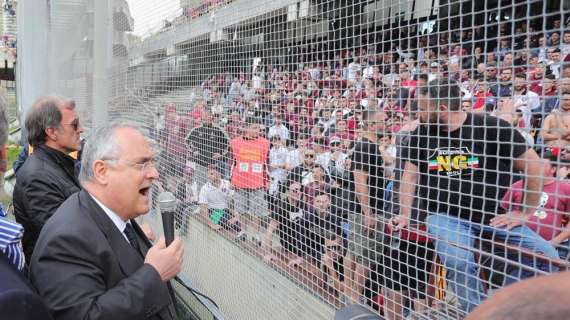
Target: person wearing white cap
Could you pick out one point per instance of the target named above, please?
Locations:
(334, 157)
(434, 71)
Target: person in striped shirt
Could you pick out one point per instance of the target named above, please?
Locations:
(11, 240)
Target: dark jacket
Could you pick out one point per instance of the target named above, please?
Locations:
(206, 140)
(18, 299)
(84, 268)
(44, 182)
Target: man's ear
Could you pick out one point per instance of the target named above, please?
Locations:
(51, 133)
(100, 170)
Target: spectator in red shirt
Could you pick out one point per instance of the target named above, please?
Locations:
(196, 113)
(552, 213)
(407, 81)
(341, 130)
(536, 76)
(548, 86)
(481, 95)
(176, 131)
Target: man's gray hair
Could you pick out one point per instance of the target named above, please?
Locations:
(102, 144)
(45, 113)
(443, 91)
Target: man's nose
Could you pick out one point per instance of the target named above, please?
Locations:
(152, 173)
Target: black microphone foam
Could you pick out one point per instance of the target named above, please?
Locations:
(167, 206)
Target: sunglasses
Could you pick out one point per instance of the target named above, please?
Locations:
(310, 155)
(74, 124)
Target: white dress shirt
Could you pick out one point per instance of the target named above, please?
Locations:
(117, 221)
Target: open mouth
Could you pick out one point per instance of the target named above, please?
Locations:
(144, 191)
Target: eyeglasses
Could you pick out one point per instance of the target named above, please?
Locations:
(144, 166)
(74, 124)
(309, 155)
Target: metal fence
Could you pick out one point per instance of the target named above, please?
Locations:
(410, 156)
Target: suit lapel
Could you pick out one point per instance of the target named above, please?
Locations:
(129, 259)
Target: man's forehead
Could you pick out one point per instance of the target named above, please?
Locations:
(135, 144)
(67, 112)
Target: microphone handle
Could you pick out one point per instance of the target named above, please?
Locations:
(168, 225)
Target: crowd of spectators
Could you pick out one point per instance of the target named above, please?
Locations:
(321, 119)
(205, 7)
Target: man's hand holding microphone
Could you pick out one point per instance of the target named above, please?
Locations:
(167, 260)
(167, 254)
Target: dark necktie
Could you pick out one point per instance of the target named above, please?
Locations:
(132, 236)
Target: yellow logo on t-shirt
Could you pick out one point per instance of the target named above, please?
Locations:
(453, 161)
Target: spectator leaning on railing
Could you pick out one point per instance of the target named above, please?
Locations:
(367, 223)
(463, 168)
(551, 216)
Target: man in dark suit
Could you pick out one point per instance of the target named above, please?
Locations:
(18, 299)
(92, 261)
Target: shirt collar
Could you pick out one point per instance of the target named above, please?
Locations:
(117, 221)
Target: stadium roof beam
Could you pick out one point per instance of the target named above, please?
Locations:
(232, 14)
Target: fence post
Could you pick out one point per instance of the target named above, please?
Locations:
(102, 38)
(32, 67)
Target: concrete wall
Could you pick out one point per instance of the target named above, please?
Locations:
(243, 286)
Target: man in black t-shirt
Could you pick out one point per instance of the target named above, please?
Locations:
(463, 164)
(366, 231)
(209, 145)
(287, 218)
(323, 219)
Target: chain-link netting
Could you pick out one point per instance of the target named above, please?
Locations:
(410, 156)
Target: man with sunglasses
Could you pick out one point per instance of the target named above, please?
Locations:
(48, 177)
(303, 172)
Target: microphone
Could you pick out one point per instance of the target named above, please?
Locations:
(167, 206)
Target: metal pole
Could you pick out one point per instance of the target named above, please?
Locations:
(101, 55)
(31, 68)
